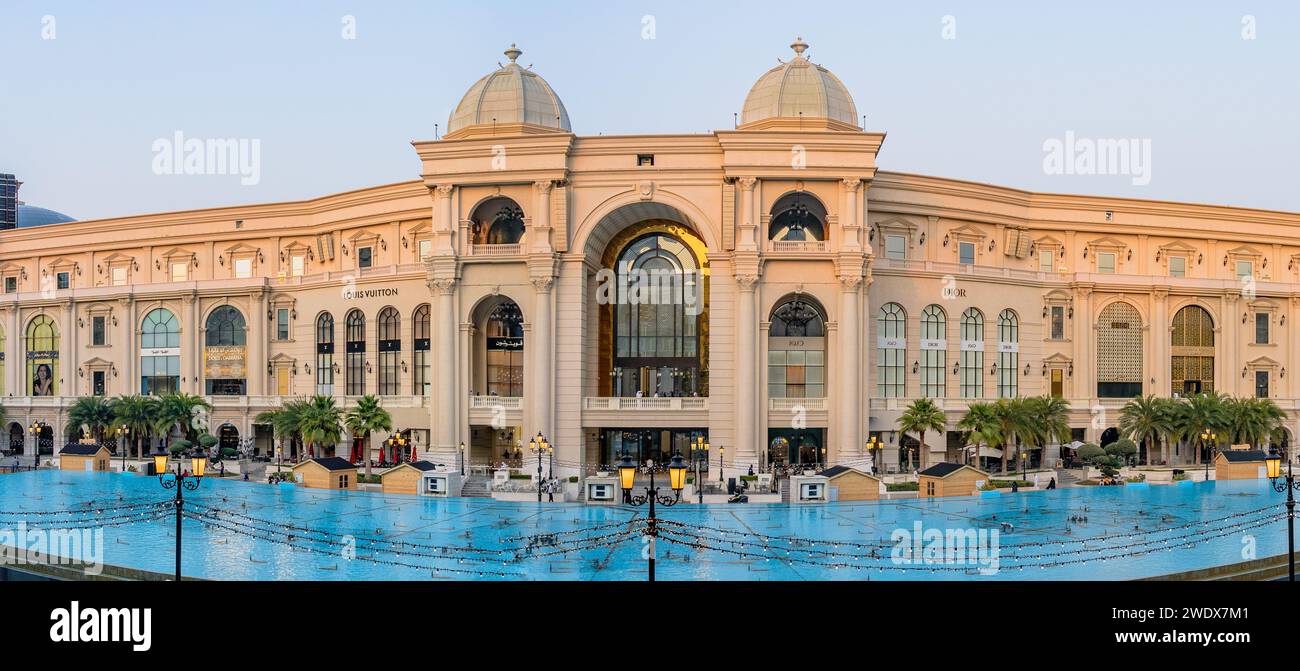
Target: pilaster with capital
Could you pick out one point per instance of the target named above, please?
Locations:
(747, 236)
(539, 238)
(747, 397)
(444, 222)
(849, 217)
(850, 370)
(444, 408)
(257, 358)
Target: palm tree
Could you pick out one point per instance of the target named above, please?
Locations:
(1013, 421)
(180, 411)
(1171, 431)
(95, 413)
(1143, 419)
(367, 417)
(1050, 419)
(1204, 413)
(981, 428)
(320, 422)
(921, 416)
(1252, 420)
(138, 414)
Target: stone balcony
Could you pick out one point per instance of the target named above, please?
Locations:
(646, 411)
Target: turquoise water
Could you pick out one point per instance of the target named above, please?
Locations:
(241, 532)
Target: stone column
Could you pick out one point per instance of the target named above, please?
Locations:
(850, 393)
(1158, 328)
(1292, 366)
(445, 409)
(746, 238)
(542, 355)
(12, 364)
(256, 353)
(125, 347)
(190, 352)
(70, 384)
(745, 452)
(1085, 341)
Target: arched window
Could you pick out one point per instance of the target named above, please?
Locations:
(1192, 351)
(420, 351)
(498, 221)
(796, 351)
(325, 354)
(356, 355)
(160, 353)
(225, 328)
(891, 350)
(505, 350)
(390, 350)
(1008, 354)
(934, 352)
(1119, 352)
(972, 353)
(797, 217)
(657, 307)
(224, 355)
(42, 356)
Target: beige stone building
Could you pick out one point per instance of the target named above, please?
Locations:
(765, 287)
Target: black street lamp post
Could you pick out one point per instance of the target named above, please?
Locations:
(1286, 484)
(676, 478)
(538, 445)
(180, 482)
(1208, 437)
(38, 427)
(462, 457)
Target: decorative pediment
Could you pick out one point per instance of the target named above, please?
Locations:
(241, 249)
(63, 263)
(968, 232)
(283, 359)
(1108, 243)
(96, 363)
(1176, 246)
(117, 258)
(1263, 362)
(1244, 252)
(1057, 297)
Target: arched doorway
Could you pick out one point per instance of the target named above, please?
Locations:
(653, 297)
(796, 349)
(17, 439)
(1191, 364)
(45, 439)
(227, 438)
(497, 221)
(797, 217)
(225, 352)
(1119, 352)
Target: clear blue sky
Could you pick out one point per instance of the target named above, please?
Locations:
(79, 113)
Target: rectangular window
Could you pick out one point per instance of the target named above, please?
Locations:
(243, 268)
(1261, 384)
(11, 285)
(645, 160)
(365, 257)
(1046, 258)
(1261, 328)
(1245, 269)
(896, 247)
(98, 388)
(426, 248)
(181, 271)
(1106, 263)
(297, 265)
(62, 280)
(98, 331)
(1178, 266)
(966, 253)
(282, 324)
(1058, 383)
(1058, 322)
(119, 276)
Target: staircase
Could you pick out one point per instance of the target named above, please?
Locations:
(785, 490)
(476, 486)
(1065, 478)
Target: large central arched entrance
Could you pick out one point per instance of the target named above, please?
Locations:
(653, 296)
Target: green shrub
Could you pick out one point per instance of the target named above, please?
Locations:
(903, 487)
(573, 478)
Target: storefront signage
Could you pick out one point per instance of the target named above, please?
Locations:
(1008, 347)
(363, 294)
(224, 363)
(972, 345)
(512, 344)
(160, 351)
(932, 343)
(891, 343)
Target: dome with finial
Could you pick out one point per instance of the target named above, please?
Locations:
(800, 92)
(511, 99)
